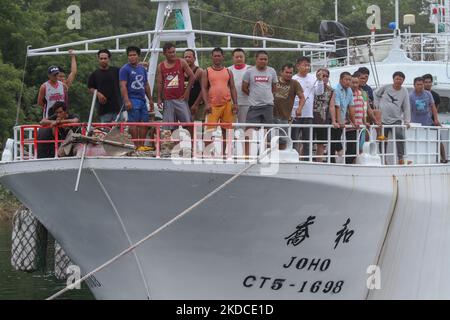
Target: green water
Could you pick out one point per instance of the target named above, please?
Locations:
(25, 286)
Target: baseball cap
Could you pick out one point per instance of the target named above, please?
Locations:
(53, 70)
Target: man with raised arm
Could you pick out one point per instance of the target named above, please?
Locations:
(51, 92)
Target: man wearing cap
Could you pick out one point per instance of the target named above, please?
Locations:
(51, 92)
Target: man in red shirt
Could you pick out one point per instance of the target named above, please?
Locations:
(173, 95)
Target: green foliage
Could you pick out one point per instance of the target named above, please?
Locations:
(8, 204)
(40, 23)
(9, 87)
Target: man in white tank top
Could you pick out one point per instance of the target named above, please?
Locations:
(238, 69)
(51, 92)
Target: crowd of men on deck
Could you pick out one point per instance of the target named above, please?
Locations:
(244, 94)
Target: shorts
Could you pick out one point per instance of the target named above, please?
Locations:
(242, 113)
(260, 114)
(176, 111)
(139, 111)
(222, 114)
(111, 117)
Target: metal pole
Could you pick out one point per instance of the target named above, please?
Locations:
(336, 10)
(91, 114)
(397, 15)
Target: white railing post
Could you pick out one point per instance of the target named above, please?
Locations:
(348, 51)
(422, 55)
(16, 154)
(310, 142)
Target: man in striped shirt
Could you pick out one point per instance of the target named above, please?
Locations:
(356, 118)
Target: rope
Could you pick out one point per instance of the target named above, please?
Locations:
(122, 225)
(251, 21)
(157, 231)
(373, 66)
(262, 29)
(19, 101)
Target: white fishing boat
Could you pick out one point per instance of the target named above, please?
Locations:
(230, 226)
(415, 54)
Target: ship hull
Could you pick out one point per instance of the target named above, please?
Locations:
(307, 232)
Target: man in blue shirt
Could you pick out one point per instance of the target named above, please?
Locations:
(134, 87)
(423, 108)
(344, 99)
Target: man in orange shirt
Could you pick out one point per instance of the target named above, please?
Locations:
(219, 91)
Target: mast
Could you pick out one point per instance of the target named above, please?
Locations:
(336, 10)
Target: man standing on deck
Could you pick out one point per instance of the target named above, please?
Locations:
(259, 83)
(423, 108)
(238, 70)
(393, 101)
(428, 84)
(344, 100)
(173, 93)
(364, 78)
(51, 92)
(357, 119)
(285, 94)
(312, 86)
(219, 91)
(196, 104)
(106, 80)
(134, 87)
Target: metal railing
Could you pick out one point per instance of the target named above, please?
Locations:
(422, 145)
(421, 47)
(91, 46)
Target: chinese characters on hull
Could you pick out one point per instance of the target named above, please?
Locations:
(302, 232)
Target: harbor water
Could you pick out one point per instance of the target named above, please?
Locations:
(39, 285)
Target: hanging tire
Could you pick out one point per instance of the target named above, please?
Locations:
(62, 262)
(29, 242)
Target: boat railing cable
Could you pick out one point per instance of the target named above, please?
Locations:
(373, 65)
(167, 14)
(160, 229)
